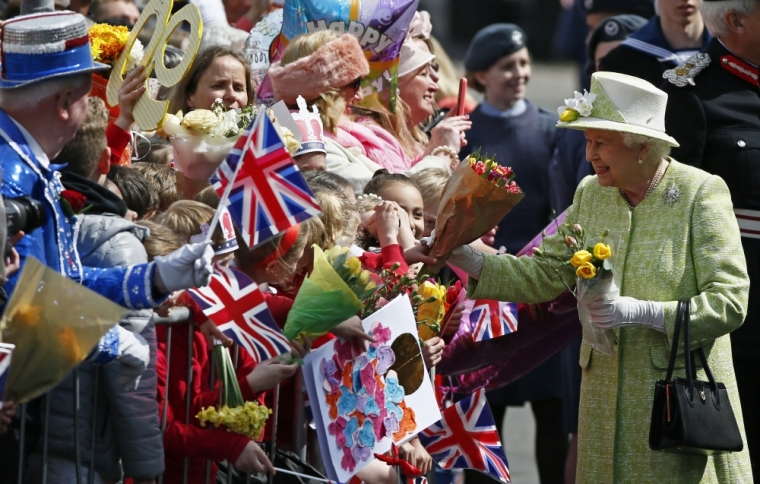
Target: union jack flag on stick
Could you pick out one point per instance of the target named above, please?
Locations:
(238, 308)
(466, 438)
(260, 184)
(490, 319)
(5, 362)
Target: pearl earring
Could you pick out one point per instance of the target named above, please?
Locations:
(641, 162)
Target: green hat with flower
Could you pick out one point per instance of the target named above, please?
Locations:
(618, 102)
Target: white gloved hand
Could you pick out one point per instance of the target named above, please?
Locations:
(608, 313)
(133, 357)
(185, 268)
(467, 259)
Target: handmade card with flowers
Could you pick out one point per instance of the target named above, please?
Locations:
(364, 401)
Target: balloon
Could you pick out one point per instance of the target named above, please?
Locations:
(380, 26)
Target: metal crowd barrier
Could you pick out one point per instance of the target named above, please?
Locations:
(178, 316)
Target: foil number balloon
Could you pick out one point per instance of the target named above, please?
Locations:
(149, 113)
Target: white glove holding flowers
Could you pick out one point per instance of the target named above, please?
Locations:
(187, 267)
(623, 311)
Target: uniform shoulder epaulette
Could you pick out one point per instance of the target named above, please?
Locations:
(686, 72)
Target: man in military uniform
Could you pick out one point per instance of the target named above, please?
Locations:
(714, 113)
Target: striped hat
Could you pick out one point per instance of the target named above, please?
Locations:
(44, 46)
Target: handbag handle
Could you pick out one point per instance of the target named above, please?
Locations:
(683, 318)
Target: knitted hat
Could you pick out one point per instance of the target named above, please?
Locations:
(618, 102)
(332, 66)
(44, 46)
(491, 44)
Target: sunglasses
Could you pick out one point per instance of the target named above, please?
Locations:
(357, 84)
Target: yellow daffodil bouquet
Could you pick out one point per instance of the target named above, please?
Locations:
(334, 291)
(592, 264)
(239, 416)
(108, 41)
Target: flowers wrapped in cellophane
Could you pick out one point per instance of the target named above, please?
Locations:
(477, 196)
(592, 264)
(239, 416)
(54, 323)
(333, 292)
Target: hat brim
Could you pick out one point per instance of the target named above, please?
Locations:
(96, 66)
(589, 122)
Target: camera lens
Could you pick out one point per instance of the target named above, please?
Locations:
(23, 213)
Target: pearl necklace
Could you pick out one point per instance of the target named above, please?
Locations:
(656, 179)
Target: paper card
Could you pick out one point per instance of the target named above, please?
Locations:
(362, 402)
(5, 362)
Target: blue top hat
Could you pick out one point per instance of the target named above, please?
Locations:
(44, 46)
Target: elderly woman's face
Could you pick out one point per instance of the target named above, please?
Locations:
(615, 164)
(225, 79)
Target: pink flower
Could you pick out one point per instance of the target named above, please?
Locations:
(381, 301)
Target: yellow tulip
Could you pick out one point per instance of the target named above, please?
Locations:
(363, 278)
(602, 251)
(581, 257)
(569, 115)
(354, 265)
(586, 271)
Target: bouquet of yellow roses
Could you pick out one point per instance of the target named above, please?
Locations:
(594, 278)
(239, 416)
(333, 292)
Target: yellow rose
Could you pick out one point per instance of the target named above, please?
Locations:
(354, 265)
(602, 251)
(569, 115)
(586, 271)
(581, 257)
(200, 120)
(290, 141)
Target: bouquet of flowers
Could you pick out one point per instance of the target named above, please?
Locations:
(239, 416)
(432, 303)
(333, 292)
(592, 265)
(477, 196)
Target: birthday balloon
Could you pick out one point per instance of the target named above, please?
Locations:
(379, 25)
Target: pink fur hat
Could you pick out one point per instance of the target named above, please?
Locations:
(332, 66)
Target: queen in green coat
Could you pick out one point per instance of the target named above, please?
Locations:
(678, 240)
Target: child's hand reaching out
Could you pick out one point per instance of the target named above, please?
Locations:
(387, 223)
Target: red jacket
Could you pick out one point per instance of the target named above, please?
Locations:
(190, 439)
(117, 139)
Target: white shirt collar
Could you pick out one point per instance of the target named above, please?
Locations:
(33, 144)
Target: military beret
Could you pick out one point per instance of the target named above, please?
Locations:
(619, 27)
(645, 8)
(491, 44)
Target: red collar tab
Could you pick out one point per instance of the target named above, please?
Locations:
(741, 69)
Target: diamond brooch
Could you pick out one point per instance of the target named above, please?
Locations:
(672, 194)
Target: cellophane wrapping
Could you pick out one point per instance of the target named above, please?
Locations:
(470, 206)
(54, 322)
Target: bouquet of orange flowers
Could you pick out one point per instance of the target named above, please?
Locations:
(477, 196)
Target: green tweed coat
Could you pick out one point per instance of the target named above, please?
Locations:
(667, 252)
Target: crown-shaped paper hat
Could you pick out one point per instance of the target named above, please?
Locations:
(311, 128)
(44, 46)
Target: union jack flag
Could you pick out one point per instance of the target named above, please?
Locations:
(5, 363)
(466, 438)
(490, 319)
(238, 308)
(268, 194)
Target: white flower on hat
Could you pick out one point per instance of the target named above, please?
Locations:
(580, 105)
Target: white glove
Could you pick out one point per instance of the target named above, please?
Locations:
(133, 357)
(187, 267)
(467, 259)
(607, 313)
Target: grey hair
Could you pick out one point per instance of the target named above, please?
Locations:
(714, 14)
(658, 149)
(28, 96)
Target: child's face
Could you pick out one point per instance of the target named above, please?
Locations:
(279, 273)
(430, 213)
(410, 200)
(311, 162)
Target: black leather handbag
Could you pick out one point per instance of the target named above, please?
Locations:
(691, 416)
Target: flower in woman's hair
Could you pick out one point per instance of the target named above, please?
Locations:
(580, 258)
(602, 251)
